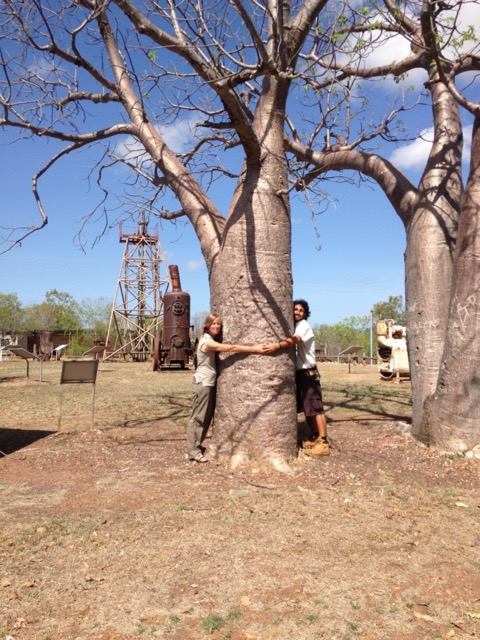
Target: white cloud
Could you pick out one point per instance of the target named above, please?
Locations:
(415, 154)
(392, 50)
(195, 265)
(466, 16)
(387, 48)
(467, 142)
(179, 136)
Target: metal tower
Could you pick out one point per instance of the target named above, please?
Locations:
(138, 304)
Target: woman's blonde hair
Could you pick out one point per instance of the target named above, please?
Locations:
(209, 320)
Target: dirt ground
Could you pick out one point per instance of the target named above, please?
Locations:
(108, 533)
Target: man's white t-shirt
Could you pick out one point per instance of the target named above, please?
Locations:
(306, 348)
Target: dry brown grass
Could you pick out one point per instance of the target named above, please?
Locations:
(108, 533)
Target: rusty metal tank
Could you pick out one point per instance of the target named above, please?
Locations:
(175, 347)
(46, 345)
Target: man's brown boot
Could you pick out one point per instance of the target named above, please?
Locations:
(308, 444)
(320, 449)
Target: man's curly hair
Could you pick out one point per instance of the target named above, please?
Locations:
(304, 304)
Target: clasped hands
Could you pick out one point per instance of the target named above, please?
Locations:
(267, 349)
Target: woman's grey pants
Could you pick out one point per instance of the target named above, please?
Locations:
(203, 406)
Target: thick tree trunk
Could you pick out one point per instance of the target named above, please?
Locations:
(428, 269)
(251, 287)
(452, 414)
(431, 237)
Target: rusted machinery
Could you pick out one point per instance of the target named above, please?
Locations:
(46, 345)
(392, 356)
(42, 344)
(173, 346)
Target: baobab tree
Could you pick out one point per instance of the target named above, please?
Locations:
(439, 215)
(90, 72)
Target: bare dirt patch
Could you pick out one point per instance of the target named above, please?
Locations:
(108, 533)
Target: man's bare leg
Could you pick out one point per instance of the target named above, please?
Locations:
(318, 425)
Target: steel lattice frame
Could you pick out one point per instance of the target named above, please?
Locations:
(138, 304)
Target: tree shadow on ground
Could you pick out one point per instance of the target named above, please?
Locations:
(12, 378)
(369, 401)
(12, 440)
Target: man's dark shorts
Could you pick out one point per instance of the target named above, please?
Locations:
(309, 392)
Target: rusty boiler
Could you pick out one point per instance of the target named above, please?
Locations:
(175, 345)
(46, 345)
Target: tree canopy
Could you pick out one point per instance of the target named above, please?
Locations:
(125, 77)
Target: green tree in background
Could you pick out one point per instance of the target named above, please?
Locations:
(358, 330)
(66, 311)
(59, 312)
(352, 331)
(393, 308)
(95, 316)
(11, 314)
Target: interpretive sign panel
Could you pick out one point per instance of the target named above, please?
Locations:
(78, 372)
(26, 355)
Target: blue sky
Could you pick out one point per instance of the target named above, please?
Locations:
(359, 262)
